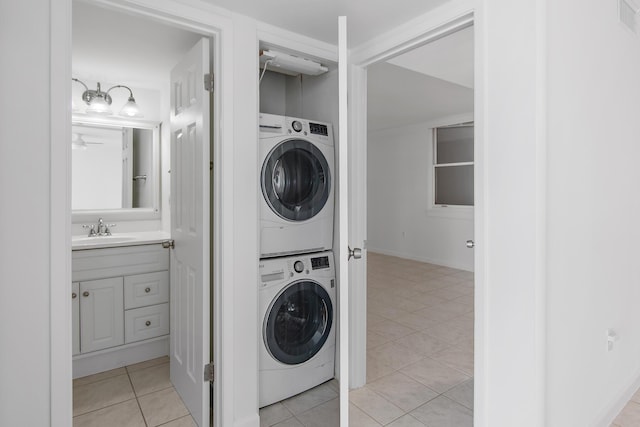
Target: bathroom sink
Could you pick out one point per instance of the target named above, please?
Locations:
(80, 242)
(85, 240)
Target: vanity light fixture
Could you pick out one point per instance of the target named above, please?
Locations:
(99, 102)
(289, 64)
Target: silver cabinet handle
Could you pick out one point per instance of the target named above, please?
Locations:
(74, 295)
(148, 323)
(147, 290)
(356, 253)
(471, 244)
(85, 294)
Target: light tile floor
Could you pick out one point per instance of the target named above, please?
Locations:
(630, 414)
(136, 395)
(419, 365)
(419, 354)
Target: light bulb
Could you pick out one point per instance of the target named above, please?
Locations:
(99, 105)
(131, 109)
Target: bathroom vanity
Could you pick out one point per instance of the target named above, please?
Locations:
(120, 300)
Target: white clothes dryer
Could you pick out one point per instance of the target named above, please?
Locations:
(297, 297)
(296, 180)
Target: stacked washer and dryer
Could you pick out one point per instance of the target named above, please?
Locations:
(297, 286)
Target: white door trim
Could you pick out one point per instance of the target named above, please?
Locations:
(61, 390)
(343, 222)
(209, 22)
(489, 307)
(443, 21)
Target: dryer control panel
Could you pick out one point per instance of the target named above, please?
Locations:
(278, 270)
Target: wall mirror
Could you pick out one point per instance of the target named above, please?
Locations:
(115, 169)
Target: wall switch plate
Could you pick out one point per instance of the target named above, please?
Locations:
(612, 337)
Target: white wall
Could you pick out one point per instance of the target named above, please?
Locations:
(273, 93)
(25, 214)
(244, 226)
(509, 230)
(593, 212)
(399, 219)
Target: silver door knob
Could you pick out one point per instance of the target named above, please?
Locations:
(74, 295)
(85, 294)
(356, 253)
(148, 323)
(470, 244)
(147, 290)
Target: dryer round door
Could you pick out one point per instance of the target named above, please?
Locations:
(296, 180)
(298, 322)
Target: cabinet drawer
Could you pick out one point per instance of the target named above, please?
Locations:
(146, 289)
(146, 322)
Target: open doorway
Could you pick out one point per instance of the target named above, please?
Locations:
(420, 285)
(135, 323)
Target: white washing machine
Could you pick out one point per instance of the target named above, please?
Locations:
(297, 297)
(296, 178)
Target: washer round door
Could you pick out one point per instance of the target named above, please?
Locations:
(296, 180)
(298, 322)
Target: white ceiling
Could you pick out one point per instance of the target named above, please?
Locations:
(317, 18)
(426, 84)
(400, 97)
(115, 47)
(449, 58)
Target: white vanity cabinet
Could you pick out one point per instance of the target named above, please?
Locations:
(120, 300)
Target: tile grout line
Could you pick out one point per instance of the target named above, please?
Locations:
(144, 419)
(100, 409)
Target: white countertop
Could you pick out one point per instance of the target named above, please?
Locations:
(82, 242)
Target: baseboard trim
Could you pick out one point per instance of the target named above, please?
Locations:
(117, 357)
(616, 406)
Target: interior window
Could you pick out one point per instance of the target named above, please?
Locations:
(453, 165)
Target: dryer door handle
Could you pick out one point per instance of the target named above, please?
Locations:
(355, 253)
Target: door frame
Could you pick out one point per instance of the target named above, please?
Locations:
(208, 23)
(439, 23)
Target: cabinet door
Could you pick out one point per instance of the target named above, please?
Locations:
(75, 317)
(101, 314)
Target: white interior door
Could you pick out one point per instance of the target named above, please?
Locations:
(190, 311)
(343, 222)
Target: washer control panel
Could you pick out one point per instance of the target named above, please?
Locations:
(296, 125)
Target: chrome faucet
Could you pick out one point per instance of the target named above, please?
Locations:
(92, 229)
(100, 229)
